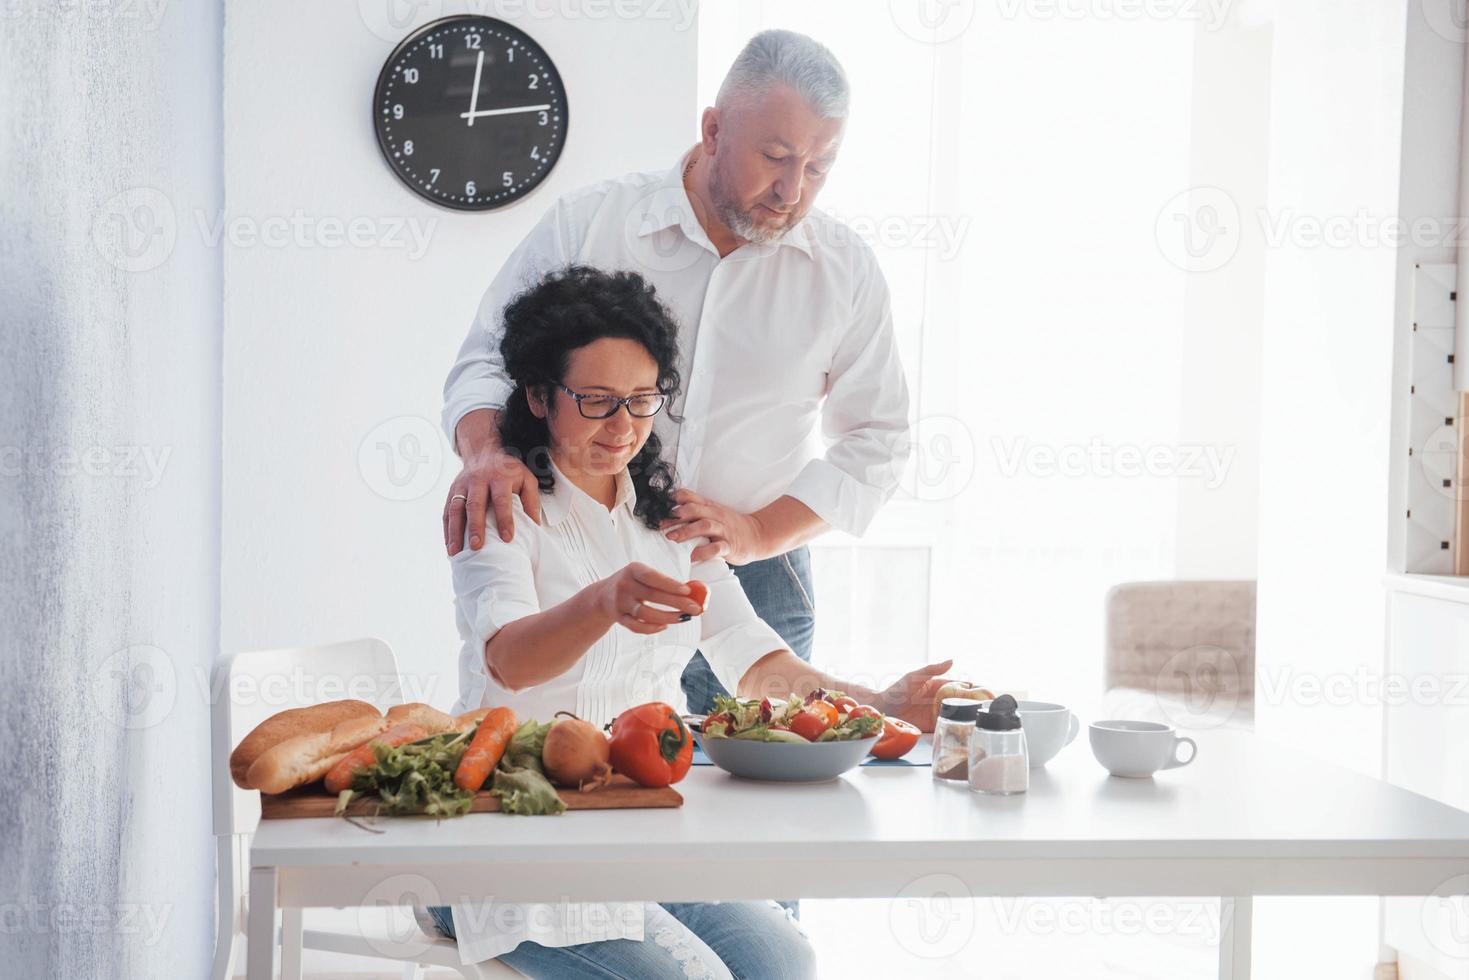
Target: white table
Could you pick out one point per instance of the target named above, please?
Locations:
(1248, 818)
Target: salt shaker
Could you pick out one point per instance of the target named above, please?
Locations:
(951, 733)
(999, 762)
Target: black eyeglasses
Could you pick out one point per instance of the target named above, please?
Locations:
(594, 405)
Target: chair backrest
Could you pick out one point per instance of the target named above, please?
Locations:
(249, 687)
(1162, 635)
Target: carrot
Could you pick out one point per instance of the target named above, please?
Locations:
(485, 749)
(340, 777)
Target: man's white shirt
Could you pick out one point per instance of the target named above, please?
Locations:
(792, 383)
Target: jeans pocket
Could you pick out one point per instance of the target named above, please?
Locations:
(785, 562)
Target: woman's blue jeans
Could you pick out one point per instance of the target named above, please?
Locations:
(688, 941)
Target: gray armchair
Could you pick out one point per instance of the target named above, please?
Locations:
(1182, 653)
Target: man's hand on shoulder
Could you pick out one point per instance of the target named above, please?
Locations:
(490, 478)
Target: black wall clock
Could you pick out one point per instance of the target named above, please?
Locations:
(470, 112)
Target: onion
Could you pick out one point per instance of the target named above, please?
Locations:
(576, 754)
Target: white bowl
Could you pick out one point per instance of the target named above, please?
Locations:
(789, 762)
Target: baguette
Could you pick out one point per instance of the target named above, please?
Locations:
(307, 758)
(469, 719)
(339, 775)
(288, 724)
(418, 713)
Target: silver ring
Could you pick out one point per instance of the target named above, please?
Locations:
(637, 608)
(458, 496)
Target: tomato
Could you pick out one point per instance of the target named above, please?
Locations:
(809, 725)
(844, 703)
(898, 736)
(827, 712)
(717, 724)
(699, 592)
(651, 745)
(864, 711)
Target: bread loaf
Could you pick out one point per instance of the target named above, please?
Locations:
(470, 719)
(318, 718)
(418, 713)
(307, 758)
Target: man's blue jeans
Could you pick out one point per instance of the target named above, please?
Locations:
(781, 591)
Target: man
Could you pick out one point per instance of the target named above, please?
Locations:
(784, 325)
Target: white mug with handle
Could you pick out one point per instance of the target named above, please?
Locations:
(1139, 748)
(1049, 728)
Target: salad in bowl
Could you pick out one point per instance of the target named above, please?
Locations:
(816, 737)
(822, 716)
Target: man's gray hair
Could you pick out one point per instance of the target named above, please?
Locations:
(785, 57)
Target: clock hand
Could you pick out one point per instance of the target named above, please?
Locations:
(479, 66)
(502, 112)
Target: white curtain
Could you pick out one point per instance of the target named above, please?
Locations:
(109, 487)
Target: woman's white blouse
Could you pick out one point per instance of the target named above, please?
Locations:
(578, 543)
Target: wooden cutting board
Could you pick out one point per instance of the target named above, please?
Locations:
(620, 794)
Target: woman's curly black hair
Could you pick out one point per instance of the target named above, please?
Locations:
(566, 310)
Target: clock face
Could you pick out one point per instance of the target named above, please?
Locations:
(470, 113)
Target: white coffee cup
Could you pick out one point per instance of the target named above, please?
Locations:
(1049, 728)
(1138, 748)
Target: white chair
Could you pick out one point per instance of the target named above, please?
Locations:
(247, 688)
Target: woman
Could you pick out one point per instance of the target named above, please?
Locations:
(590, 612)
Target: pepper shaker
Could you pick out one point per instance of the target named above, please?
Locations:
(951, 733)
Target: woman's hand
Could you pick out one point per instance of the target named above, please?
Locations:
(623, 598)
(911, 696)
(737, 537)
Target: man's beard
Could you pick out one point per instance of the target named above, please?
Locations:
(740, 222)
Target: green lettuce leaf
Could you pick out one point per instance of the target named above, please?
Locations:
(526, 745)
(526, 792)
(417, 778)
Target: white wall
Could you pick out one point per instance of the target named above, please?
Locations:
(109, 487)
(335, 470)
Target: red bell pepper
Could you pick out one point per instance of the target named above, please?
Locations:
(651, 745)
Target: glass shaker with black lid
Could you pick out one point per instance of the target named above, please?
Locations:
(999, 760)
(951, 734)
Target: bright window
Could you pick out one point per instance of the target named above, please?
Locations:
(1009, 179)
